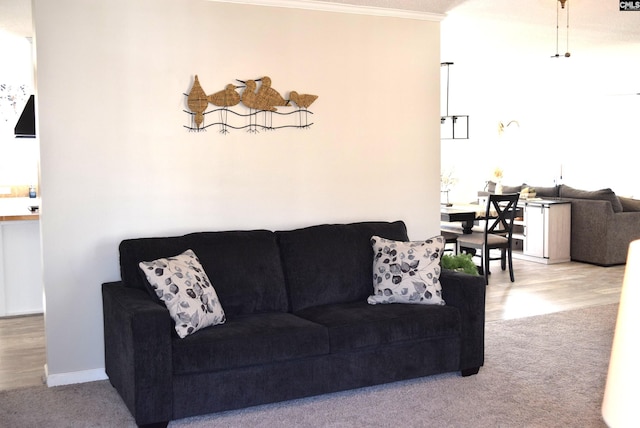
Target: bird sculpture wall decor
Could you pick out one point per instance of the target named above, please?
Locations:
(270, 97)
(303, 101)
(197, 102)
(226, 98)
(250, 99)
(257, 95)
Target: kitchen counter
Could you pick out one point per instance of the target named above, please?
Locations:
(20, 258)
(17, 209)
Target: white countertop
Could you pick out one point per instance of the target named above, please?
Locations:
(12, 209)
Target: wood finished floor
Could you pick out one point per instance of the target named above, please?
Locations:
(22, 351)
(538, 289)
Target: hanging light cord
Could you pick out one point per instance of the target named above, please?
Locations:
(447, 64)
(557, 26)
(567, 51)
(447, 90)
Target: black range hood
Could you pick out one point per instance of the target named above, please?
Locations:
(26, 126)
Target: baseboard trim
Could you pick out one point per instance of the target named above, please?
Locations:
(69, 378)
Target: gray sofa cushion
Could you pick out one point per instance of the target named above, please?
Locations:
(249, 340)
(541, 192)
(491, 188)
(359, 325)
(546, 192)
(331, 263)
(629, 204)
(243, 266)
(602, 194)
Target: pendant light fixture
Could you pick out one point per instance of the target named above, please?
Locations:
(564, 5)
(453, 127)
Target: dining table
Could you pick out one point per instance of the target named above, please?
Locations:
(466, 214)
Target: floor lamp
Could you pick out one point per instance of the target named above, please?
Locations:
(620, 407)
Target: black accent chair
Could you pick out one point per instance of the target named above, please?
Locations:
(500, 215)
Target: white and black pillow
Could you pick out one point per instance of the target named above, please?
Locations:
(182, 284)
(407, 272)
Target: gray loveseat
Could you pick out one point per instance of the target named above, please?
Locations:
(602, 223)
(297, 323)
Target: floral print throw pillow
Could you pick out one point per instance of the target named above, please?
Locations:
(407, 272)
(183, 286)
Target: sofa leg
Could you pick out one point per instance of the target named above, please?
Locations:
(155, 425)
(469, 372)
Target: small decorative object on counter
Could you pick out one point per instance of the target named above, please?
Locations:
(528, 193)
(32, 191)
(498, 174)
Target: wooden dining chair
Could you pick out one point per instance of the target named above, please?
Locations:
(450, 238)
(500, 215)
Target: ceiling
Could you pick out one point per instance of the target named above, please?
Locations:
(431, 6)
(598, 17)
(15, 15)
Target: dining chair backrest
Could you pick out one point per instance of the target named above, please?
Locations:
(500, 214)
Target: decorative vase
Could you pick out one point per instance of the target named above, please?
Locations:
(499, 188)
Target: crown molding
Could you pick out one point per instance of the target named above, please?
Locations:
(325, 6)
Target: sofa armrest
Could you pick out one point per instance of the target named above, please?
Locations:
(599, 235)
(590, 217)
(467, 293)
(623, 228)
(137, 336)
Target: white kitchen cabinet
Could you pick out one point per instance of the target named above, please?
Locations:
(21, 289)
(544, 231)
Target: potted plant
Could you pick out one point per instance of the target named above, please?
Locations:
(460, 263)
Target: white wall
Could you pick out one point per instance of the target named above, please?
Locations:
(571, 111)
(18, 156)
(117, 163)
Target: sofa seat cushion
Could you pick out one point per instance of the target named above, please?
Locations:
(249, 340)
(359, 325)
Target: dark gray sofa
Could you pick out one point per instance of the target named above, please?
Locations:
(298, 323)
(602, 223)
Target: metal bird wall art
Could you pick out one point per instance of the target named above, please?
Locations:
(250, 99)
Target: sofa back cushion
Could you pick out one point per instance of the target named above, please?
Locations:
(546, 192)
(243, 266)
(629, 204)
(602, 194)
(491, 188)
(332, 263)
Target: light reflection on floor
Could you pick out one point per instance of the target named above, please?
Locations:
(523, 304)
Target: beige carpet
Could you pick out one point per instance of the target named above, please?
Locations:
(544, 371)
